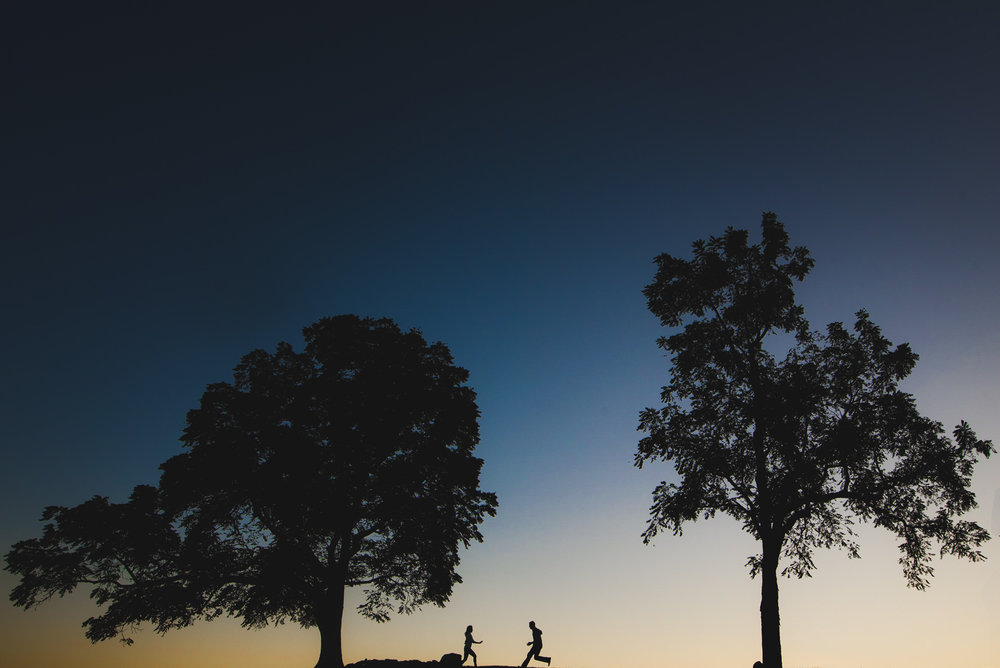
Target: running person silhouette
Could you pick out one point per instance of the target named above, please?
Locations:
(469, 642)
(536, 646)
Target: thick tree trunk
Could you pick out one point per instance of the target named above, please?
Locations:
(329, 620)
(770, 627)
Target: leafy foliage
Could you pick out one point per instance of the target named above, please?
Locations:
(799, 448)
(348, 464)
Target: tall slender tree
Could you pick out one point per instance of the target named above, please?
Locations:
(795, 448)
(347, 465)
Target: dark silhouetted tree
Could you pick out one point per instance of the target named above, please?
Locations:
(795, 448)
(347, 465)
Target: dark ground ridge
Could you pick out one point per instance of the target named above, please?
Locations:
(408, 663)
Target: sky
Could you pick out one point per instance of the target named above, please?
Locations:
(183, 183)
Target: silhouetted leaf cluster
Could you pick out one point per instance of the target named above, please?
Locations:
(796, 448)
(348, 464)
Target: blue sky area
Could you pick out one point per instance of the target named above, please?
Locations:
(183, 183)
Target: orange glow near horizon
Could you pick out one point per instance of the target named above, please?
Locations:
(684, 602)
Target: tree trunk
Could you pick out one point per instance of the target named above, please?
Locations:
(329, 620)
(770, 628)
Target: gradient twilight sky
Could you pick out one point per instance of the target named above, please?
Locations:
(183, 183)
